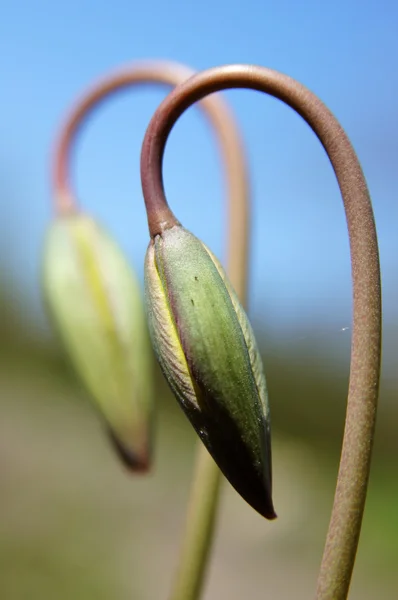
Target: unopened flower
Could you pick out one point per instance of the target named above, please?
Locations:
(96, 305)
(208, 354)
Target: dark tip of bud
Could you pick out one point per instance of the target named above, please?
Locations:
(232, 455)
(270, 515)
(137, 463)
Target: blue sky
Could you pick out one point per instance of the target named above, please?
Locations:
(345, 52)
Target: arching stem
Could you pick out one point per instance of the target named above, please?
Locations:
(345, 524)
(201, 515)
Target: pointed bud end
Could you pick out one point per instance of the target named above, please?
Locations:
(254, 489)
(249, 474)
(254, 482)
(136, 461)
(268, 510)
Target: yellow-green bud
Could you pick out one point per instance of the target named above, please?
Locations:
(95, 302)
(207, 351)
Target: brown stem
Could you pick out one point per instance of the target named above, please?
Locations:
(344, 529)
(165, 73)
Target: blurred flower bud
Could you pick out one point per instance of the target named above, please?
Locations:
(96, 305)
(208, 354)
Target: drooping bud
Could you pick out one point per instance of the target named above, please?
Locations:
(208, 354)
(95, 302)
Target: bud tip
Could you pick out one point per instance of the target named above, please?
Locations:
(136, 462)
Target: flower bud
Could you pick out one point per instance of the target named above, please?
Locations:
(96, 305)
(208, 354)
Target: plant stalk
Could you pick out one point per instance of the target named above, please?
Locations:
(200, 524)
(350, 496)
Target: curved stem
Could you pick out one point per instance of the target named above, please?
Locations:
(167, 73)
(344, 529)
(201, 516)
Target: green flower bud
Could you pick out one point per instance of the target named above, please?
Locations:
(208, 354)
(95, 302)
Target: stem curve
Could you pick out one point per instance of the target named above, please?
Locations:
(349, 501)
(167, 73)
(201, 517)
